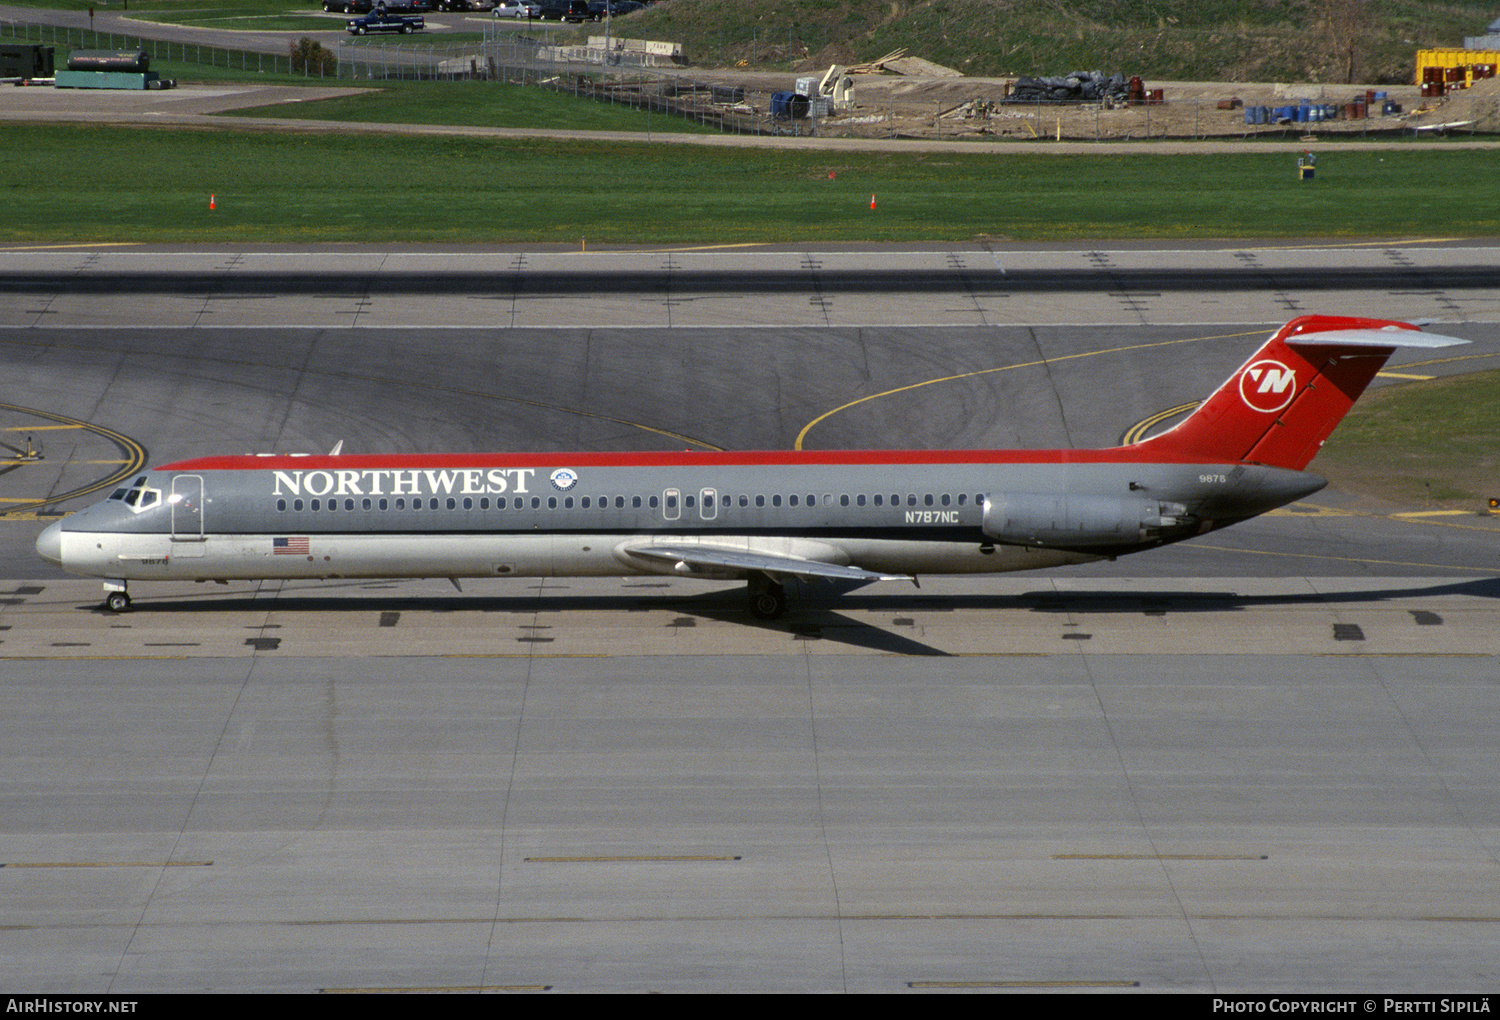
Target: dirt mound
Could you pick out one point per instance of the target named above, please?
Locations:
(1474, 109)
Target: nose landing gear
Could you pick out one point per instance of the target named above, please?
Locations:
(116, 597)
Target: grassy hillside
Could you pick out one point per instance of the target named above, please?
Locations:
(1240, 40)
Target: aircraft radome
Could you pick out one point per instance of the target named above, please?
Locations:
(761, 517)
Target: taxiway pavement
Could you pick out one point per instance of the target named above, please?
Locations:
(1259, 763)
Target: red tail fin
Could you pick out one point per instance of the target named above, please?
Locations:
(1279, 407)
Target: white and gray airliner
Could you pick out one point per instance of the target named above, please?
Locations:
(761, 517)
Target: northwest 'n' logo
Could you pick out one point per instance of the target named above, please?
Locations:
(1268, 386)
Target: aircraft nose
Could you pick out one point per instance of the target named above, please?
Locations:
(49, 544)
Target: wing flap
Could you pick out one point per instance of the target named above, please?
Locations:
(710, 558)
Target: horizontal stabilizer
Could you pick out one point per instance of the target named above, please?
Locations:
(1373, 338)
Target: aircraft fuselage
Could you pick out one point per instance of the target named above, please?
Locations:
(534, 515)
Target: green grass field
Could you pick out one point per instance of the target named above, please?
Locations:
(146, 184)
(477, 104)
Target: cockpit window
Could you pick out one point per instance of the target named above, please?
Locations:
(138, 497)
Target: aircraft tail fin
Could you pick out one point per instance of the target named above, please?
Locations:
(1279, 406)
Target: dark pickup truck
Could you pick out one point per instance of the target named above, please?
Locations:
(381, 21)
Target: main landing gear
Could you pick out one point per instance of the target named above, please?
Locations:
(767, 598)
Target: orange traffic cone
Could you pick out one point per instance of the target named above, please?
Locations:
(211, 201)
(872, 201)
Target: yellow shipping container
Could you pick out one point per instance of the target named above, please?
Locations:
(1447, 58)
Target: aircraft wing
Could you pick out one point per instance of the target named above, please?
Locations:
(707, 557)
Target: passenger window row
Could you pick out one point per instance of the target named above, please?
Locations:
(811, 500)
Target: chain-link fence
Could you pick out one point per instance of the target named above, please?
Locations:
(159, 49)
(603, 73)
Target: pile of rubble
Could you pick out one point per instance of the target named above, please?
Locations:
(1079, 86)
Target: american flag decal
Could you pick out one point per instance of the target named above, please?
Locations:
(289, 546)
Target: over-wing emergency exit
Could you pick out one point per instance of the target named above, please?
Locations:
(762, 517)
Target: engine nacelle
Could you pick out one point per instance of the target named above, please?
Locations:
(1032, 518)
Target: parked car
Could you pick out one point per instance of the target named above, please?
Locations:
(576, 11)
(614, 8)
(517, 9)
(349, 6)
(384, 21)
